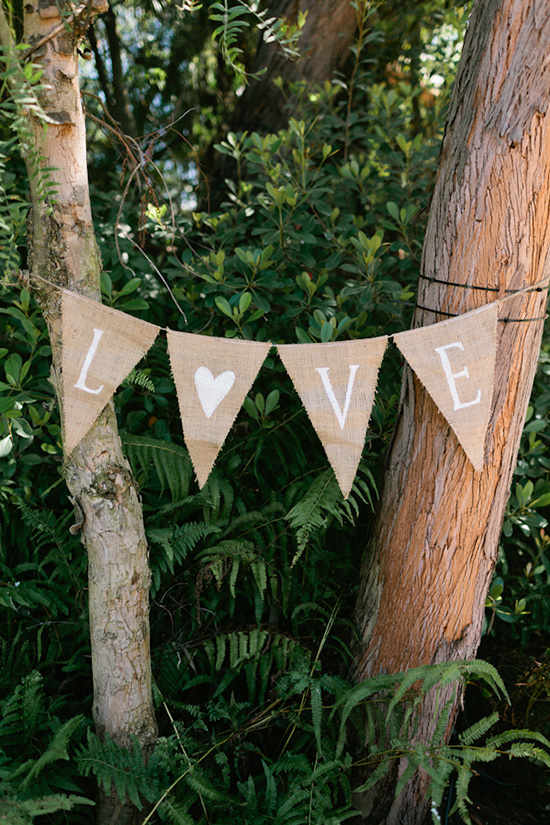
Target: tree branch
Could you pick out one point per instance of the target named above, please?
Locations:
(92, 8)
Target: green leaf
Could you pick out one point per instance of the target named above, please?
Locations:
(255, 315)
(251, 408)
(6, 446)
(326, 332)
(244, 302)
(302, 336)
(241, 254)
(129, 287)
(393, 210)
(223, 305)
(272, 401)
(106, 284)
(133, 305)
(12, 368)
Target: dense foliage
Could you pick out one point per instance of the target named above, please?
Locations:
(318, 239)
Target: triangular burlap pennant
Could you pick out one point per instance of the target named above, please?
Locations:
(212, 377)
(455, 360)
(336, 383)
(100, 347)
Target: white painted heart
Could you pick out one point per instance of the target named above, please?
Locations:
(212, 391)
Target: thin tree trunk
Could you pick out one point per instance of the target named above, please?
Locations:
(122, 110)
(63, 251)
(101, 68)
(435, 542)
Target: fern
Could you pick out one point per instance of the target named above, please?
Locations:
(24, 82)
(13, 212)
(176, 543)
(216, 499)
(56, 750)
(24, 811)
(170, 462)
(22, 712)
(176, 813)
(28, 786)
(479, 729)
(323, 502)
(123, 769)
(139, 378)
(392, 733)
(30, 584)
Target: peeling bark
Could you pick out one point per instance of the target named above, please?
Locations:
(435, 541)
(63, 251)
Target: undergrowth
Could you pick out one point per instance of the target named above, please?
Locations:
(255, 575)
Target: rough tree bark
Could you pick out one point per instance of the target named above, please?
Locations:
(63, 251)
(435, 542)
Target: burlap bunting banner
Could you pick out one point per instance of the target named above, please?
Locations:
(336, 383)
(212, 377)
(100, 347)
(455, 361)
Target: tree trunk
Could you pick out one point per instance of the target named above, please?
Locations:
(122, 110)
(265, 107)
(323, 46)
(435, 541)
(63, 251)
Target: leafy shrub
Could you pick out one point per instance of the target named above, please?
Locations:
(318, 239)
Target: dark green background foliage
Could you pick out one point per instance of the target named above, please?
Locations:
(318, 238)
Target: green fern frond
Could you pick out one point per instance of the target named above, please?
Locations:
(442, 727)
(176, 813)
(316, 701)
(24, 811)
(322, 502)
(46, 528)
(479, 729)
(57, 749)
(170, 462)
(406, 774)
(464, 775)
(176, 543)
(216, 499)
(510, 735)
(479, 669)
(270, 797)
(234, 21)
(529, 751)
(378, 773)
(22, 711)
(139, 378)
(123, 769)
(202, 786)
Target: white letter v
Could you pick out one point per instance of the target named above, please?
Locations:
(341, 416)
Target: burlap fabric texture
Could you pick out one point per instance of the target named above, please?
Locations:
(336, 383)
(100, 347)
(212, 377)
(455, 361)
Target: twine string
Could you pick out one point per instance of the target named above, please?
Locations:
(540, 286)
(25, 276)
